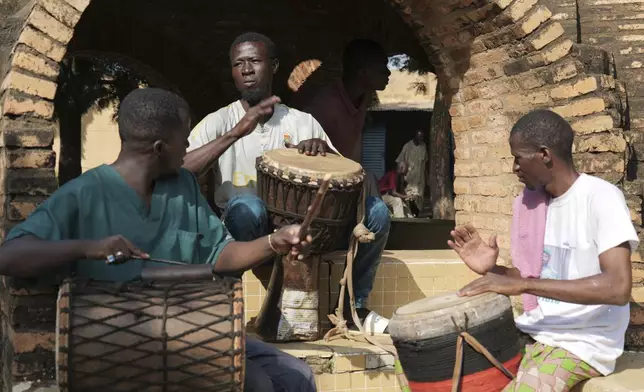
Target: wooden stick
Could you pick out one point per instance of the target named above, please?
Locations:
(314, 208)
(160, 261)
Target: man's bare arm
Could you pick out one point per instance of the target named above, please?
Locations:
(202, 159)
(242, 256)
(31, 257)
(612, 286)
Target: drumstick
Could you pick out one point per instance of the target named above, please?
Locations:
(186, 272)
(160, 261)
(314, 209)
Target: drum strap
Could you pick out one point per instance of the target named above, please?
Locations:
(360, 235)
(458, 366)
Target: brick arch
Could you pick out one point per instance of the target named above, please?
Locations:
(153, 77)
(495, 60)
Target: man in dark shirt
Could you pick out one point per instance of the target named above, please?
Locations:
(341, 108)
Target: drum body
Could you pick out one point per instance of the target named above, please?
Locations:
(287, 182)
(150, 336)
(425, 334)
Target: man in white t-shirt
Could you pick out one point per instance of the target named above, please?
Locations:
(229, 141)
(584, 287)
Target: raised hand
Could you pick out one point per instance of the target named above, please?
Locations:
(249, 122)
(115, 249)
(287, 240)
(479, 256)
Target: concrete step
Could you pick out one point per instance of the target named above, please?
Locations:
(343, 365)
(628, 376)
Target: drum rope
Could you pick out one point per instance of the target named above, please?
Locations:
(292, 215)
(187, 300)
(458, 366)
(432, 359)
(361, 234)
(164, 337)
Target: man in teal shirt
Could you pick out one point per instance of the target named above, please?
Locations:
(145, 205)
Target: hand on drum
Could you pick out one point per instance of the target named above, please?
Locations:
(287, 240)
(479, 256)
(490, 282)
(115, 250)
(311, 147)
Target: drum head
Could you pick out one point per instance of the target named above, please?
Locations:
(447, 301)
(291, 161)
(446, 314)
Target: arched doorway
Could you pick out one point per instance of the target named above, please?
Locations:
(495, 60)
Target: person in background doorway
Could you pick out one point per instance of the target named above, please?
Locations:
(414, 158)
(389, 186)
(341, 108)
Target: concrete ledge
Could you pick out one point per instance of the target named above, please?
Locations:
(364, 363)
(628, 376)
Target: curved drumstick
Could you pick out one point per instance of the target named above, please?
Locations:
(314, 208)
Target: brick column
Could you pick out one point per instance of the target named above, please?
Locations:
(27, 130)
(617, 27)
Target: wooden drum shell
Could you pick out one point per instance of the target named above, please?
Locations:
(288, 194)
(425, 333)
(287, 182)
(146, 336)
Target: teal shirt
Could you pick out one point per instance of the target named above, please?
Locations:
(178, 226)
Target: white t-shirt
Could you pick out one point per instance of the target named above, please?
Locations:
(235, 172)
(590, 218)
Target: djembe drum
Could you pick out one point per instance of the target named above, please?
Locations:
(287, 182)
(425, 335)
(150, 336)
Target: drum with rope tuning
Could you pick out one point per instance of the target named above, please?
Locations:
(425, 334)
(287, 182)
(150, 336)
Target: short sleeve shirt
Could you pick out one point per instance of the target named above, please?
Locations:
(179, 225)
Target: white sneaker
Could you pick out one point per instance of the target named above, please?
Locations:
(375, 324)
